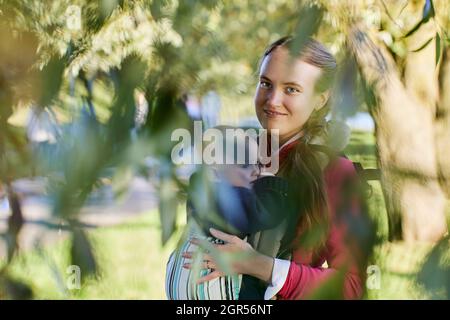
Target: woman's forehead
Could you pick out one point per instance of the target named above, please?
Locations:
(280, 66)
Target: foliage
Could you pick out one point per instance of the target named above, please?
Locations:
(86, 61)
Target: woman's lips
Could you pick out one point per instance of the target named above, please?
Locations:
(273, 114)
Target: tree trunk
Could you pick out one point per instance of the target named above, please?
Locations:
(420, 68)
(406, 147)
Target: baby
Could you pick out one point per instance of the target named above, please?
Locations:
(233, 198)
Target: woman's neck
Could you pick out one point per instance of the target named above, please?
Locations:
(285, 140)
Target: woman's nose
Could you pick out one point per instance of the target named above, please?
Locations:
(274, 98)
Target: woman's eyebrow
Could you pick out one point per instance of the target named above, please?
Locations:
(264, 78)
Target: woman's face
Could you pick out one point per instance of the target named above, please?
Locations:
(285, 95)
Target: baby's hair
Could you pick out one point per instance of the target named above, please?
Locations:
(242, 141)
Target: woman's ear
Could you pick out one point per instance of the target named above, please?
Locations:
(322, 100)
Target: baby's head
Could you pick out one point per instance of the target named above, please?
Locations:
(240, 157)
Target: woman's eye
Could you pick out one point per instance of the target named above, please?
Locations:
(264, 84)
(292, 90)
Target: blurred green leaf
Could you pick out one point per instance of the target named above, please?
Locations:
(168, 114)
(15, 223)
(210, 4)
(312, 238)
(108, 6)
(96, 13)
(15, 156)
(309, 20)
(414, 29)
(346, 94)
(435, 272)
(369, 95)
(51, 80)
(156, 8)
(14, 289)
(82, 254)
(121, 181)
(168, 205)
(331, 288)
(204, 197)
(427, 13)
(57, 275)
(438, 48)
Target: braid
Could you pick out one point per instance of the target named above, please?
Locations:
(304, 169)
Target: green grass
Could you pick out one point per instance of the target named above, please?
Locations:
(132, 260)
(361, 148)
(399, 264)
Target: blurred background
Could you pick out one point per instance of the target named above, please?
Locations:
(90, 92)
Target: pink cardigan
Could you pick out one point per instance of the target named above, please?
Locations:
(305, 273)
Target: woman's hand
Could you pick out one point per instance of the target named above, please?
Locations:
(244, 259)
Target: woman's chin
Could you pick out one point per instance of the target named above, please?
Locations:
(274, 124)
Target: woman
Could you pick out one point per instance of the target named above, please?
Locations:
(292, 96)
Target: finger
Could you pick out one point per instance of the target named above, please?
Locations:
(210, 276)
(195, 241)
(208, 264)
(187, 255)
(222, 235)
(202, 243)
(187, 265)
(207, 257)
(205, 265)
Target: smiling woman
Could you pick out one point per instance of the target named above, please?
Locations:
(290, 90)
(286, 262)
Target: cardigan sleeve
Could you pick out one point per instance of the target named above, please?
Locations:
(342, 252)
(279, 274)
(303, 279)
